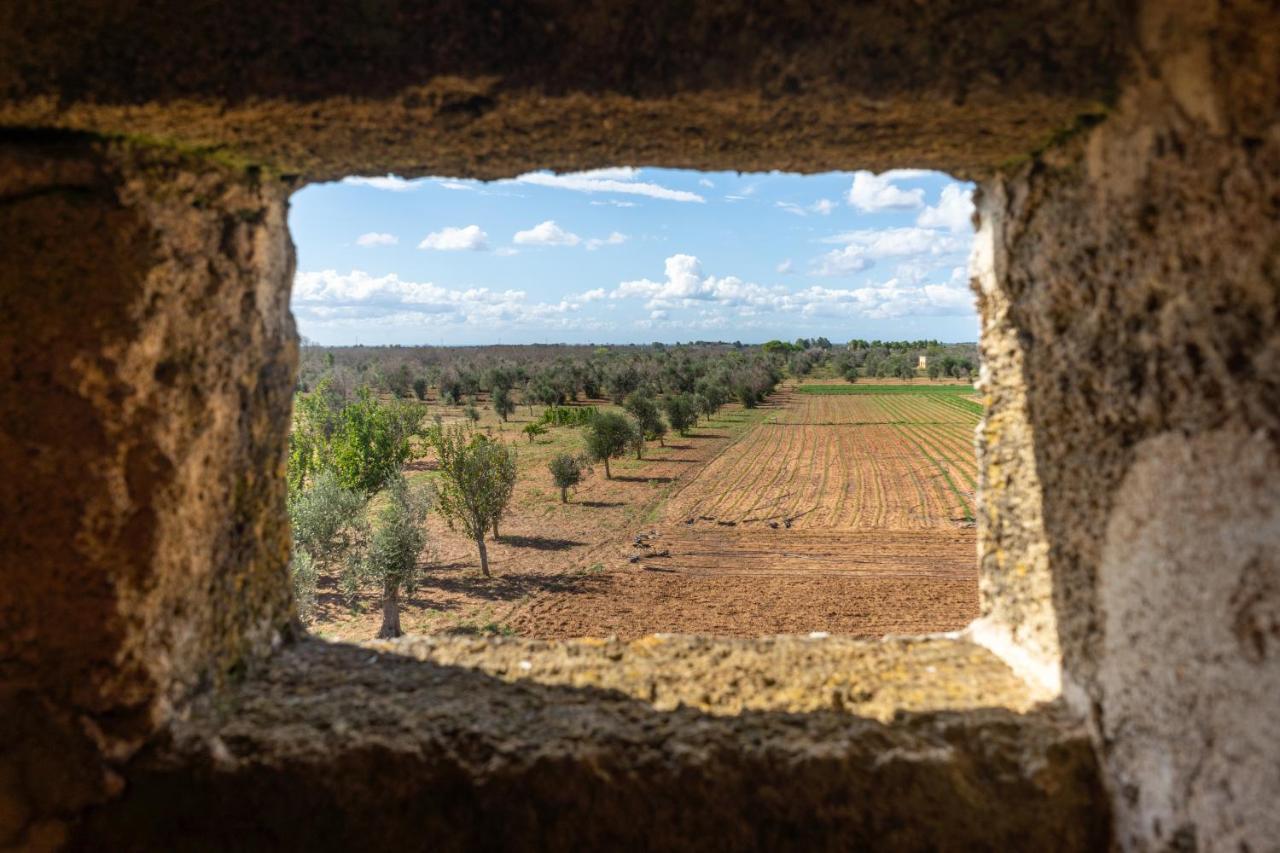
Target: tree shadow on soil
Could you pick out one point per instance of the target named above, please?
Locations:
(540, 543)
(600, 504)
(623, 479)
(507, 587)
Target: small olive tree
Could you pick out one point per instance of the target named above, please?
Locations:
(477, 478)
(608, 435)
(681, 412)
(328, 534)
(566, 471)
(642, 407)
(503, 405)
(392, 558)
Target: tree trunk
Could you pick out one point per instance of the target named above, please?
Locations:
(640, 451)
(390, 611)
(495, 530)
(564, 494)
(484, 556)
(607, 475)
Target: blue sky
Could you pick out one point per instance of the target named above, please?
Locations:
(634, 255)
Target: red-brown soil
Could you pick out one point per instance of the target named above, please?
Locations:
(843, 514)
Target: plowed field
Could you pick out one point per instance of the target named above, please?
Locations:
(840, 512)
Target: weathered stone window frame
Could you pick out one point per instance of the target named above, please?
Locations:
(152, 682)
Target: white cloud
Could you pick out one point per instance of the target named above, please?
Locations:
(329, 298)
(850, 259)
(506, 251)
(954, 210)
(546, 233)
(456, 185)
(871, 192)
(591, 295)
(822, 207)
(706, 182)
(623, 180)
(613, 202)
(687, 297)
(685, 285)
(862, 248)
(390, 183)
(375, 238)
(786, 267)
(456, 239)
(616, 238)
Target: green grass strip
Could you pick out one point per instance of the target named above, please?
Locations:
(931, 390)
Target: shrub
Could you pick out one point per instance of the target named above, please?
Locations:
(568, 415)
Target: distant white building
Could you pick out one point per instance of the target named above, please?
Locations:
(923, 363)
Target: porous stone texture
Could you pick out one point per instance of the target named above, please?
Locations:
(1132, 339)
(147, 356)
(1130, 237)
(492, 89)
(342, 747)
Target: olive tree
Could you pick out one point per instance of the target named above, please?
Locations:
(503, 405)
(392, 559)
(608, 435)
(681, 412)
(328, 533)
(642, 407)
(478, 476)
(566, 471)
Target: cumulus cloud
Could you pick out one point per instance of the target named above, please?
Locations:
(688, 297)
(863, 247)
(623, 181)
(871, 193)
(786, 267)
(953, 212)
(327, 297)
(455, 185)
(546, 233)
(591, 295)
(390, 183)
(685, 285)
(453, 239)
(375, 238)
(616, 238)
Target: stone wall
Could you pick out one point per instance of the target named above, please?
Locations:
(147, 356)
(1131, 298)
(1129, 256)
